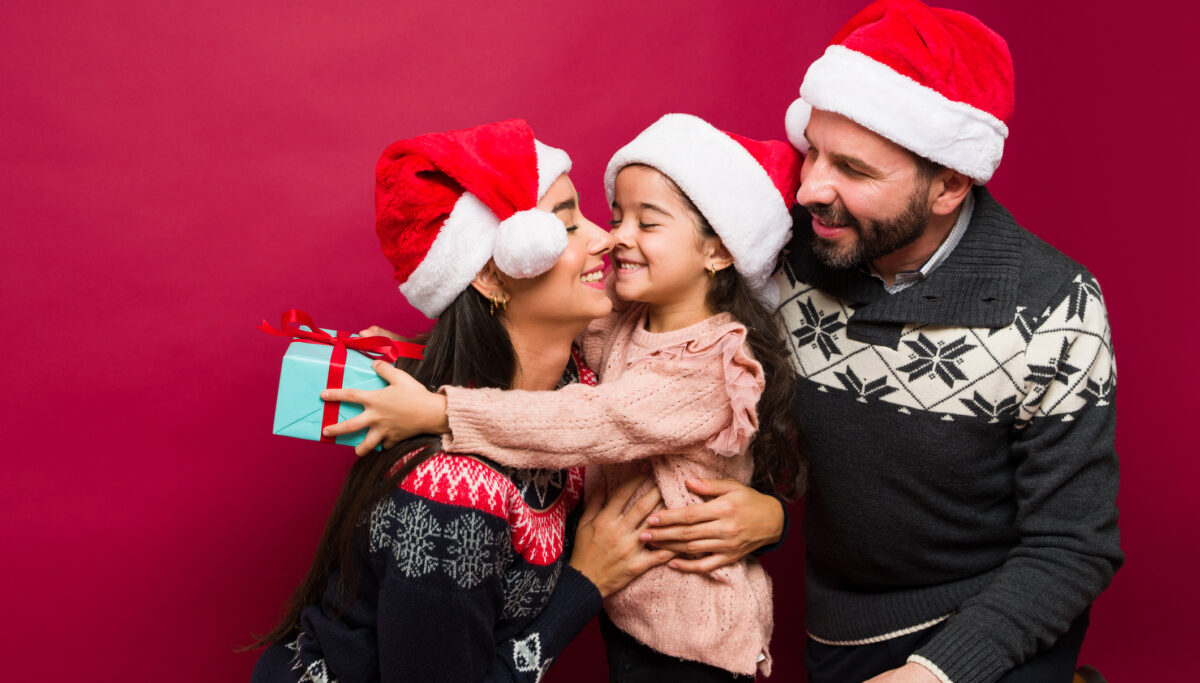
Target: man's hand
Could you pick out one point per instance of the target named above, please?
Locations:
(737, 521)
(396, 412)
(608, 550)
(909, 673)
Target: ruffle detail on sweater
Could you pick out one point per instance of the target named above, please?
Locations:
(744, 381)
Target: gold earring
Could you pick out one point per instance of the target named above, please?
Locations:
(491, 304)
(504, 304)
(712, 270)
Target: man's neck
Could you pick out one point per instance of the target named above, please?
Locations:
(913, 256)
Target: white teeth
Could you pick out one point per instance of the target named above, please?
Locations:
(630, 266)
(592, 277)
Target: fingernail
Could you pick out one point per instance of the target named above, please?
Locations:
(646, 536)
(324, 394)
(325, 432)
(654, 520)
(673, 564)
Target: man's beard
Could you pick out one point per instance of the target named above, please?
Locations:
(877, 238)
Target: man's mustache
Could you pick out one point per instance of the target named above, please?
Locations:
(833, 214)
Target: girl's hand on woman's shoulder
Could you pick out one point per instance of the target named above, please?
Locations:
(377, 331)
(608, 550)
(396, 412)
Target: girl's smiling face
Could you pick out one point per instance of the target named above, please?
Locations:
(660, 257)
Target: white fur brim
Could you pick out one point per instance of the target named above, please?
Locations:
(912, 115)
(552, 162)
(462, 247)
(725, 182)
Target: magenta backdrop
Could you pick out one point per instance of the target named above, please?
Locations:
(174, 172)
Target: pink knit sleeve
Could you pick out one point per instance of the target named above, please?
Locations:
(672, 401)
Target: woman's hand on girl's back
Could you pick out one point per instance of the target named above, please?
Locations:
(396, 412)
(608, 550)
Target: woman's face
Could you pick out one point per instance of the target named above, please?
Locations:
(659, 254)
(572, 292)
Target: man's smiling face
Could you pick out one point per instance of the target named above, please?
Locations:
(867, 195)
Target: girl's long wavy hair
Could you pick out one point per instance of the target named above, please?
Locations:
(466, 347)
(779, 463)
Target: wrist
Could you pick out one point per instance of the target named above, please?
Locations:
(435, 421)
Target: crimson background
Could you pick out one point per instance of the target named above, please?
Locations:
(173, 172)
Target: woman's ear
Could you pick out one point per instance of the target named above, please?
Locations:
(490, 283)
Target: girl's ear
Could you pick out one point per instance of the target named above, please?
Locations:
(716, 256)
(490, 282)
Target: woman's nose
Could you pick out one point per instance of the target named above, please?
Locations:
(599, 241)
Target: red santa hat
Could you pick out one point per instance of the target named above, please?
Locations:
(934, 81)
(743, 187)
(445, 203)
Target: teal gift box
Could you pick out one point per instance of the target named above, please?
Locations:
(312, 362)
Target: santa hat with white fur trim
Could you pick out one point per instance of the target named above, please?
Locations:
(743, 187)
(934, 81)
(445, 203)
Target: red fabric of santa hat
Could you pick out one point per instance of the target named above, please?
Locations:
(934, 81)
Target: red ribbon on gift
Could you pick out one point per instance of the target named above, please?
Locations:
(379, 348)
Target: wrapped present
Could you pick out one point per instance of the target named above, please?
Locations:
(319, 359)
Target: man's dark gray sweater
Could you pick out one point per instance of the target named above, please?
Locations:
(961, 438)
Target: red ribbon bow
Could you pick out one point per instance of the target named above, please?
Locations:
(379, 348)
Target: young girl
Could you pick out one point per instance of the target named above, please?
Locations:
(449, 567)
(695, 383)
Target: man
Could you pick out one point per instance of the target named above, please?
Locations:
(957, 373)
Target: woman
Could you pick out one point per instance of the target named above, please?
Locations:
(438, 566)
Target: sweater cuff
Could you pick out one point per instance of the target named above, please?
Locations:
(787, 522)
(583, 595)
(466, 434)
(962, 655)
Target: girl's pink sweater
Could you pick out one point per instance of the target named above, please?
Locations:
(679, 403)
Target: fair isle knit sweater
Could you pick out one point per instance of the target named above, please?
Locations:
(961, 442)
(679, 403)
(462, 578)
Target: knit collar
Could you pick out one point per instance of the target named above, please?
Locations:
(640, 337)
(976, 286)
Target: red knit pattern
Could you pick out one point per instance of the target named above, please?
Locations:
(464, 481)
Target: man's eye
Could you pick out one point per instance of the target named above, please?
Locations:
(851, 171)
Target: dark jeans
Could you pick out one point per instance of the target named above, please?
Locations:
(632, 662)
(857, 663)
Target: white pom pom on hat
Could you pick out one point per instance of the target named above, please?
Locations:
(528, 243)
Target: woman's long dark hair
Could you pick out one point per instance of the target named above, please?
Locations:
(466, 347)
(779, 465)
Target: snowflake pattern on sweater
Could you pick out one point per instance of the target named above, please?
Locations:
(1054, 363)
